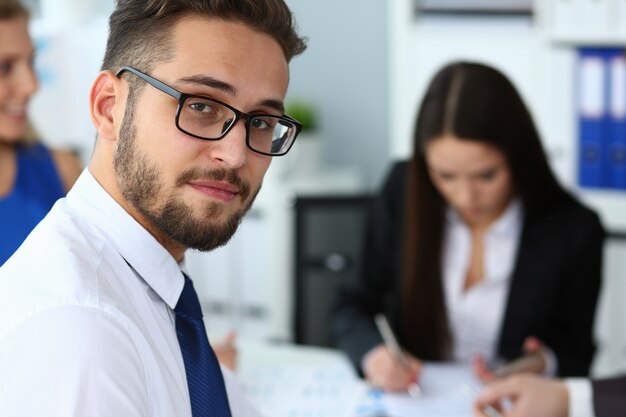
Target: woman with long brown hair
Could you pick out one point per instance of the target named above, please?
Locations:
(473, 250)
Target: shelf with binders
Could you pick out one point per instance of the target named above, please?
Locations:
(600, 90)
(601, 118)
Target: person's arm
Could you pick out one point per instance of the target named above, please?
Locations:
(72, 361)
(529, 396)
(609, 397)
(226, 350)
(352, 324)
(68, 166)
(580, 397)
(571, 336)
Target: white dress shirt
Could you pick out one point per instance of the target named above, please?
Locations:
(83, 334)
(580, 397)
(475, 315)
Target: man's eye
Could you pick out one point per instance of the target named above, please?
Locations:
(263, 123)
(201, 107)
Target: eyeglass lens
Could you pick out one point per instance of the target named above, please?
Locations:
(209, 119)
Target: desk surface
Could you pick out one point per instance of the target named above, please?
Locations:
(285, 380)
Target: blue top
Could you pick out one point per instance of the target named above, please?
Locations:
(37, 187)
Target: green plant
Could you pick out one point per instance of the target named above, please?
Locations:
(304, 112)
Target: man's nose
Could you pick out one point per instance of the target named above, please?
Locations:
(231, 151)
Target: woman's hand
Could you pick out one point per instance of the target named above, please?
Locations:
(532, 345)
(382, 370)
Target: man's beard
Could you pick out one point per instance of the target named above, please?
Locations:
(140, 184)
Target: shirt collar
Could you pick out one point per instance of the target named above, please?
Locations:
(510, 220)
(156, 266)
(506, 225)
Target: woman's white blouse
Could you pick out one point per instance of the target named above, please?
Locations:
(476, 315)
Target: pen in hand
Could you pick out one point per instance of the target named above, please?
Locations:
(392, 344)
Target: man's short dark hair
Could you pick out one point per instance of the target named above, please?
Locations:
(140, 31)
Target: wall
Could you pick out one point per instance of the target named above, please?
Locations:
(70, 38)
(344, 72)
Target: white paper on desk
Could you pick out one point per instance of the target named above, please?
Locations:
(328, 390)
(441, 394)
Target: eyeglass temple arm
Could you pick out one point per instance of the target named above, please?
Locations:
(294, 121)
(152, 81)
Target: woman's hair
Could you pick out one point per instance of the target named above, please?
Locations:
(9, 10)
(469, 101)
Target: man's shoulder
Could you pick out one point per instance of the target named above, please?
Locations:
(60, 247)
(75, 360)
(62, 262)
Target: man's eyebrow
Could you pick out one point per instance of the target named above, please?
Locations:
(209, 82)
(274, 104)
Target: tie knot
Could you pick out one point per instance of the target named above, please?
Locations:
(188, 304)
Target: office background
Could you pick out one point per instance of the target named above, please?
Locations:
(367, 65)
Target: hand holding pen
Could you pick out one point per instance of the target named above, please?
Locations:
(388, 367)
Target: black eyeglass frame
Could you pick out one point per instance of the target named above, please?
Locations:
(182, 97)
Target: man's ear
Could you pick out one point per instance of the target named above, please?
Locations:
(105, 96)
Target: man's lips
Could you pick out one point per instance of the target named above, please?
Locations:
(216, 189)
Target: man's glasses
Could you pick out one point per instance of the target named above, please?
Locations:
(205, 118)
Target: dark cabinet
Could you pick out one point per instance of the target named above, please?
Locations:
(329, 234)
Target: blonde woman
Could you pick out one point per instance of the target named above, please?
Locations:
(32, 177)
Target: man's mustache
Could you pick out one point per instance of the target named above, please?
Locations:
(216, 174)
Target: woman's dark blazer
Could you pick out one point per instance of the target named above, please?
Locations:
(553, 291)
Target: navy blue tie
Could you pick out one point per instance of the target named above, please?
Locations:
(204, 377)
